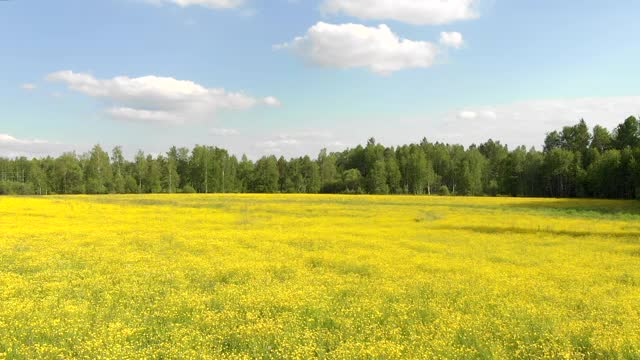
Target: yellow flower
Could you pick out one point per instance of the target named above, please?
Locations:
(313, 276)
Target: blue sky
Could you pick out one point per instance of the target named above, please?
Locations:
(148, 74)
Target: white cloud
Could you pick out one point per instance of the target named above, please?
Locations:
(488, 114)
(125, 113)
(272, 101)
(451, 39)
(277, 143)
(11, 146)
(29, 87)
(223, 132)
(8, 139)
(212, 4)
(299, 142)
(417, 12)
(353, 45)
(155, 99)
(468, 115)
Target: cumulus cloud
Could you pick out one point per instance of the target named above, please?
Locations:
(352, 46)
(29, 87)
(11, 146)
(451, 39)
(417, 12)
(154, 99)
(223, 132)
(212, 4)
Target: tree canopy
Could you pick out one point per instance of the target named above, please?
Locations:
(575, 162)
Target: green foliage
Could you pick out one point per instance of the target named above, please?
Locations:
(378, 178)
(266, 175)
(16, 188)
(68, 178)
(416, 171)
(557, 165)
(97, 172)
(394, 176)
(574, 163)
(188, 189)
(627, 134)
(472, 167)
(601, 139)
(352, 180)
(576, 138)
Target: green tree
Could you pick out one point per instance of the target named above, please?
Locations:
(97, 172)
(576, 138)
(283, 184)
(182, 165)
(627, 134)
(552, 141)
(117, 169)
(38, 178)
(69, 174)
(559, 174)
(352, 179)
(601, 175)
(471, 174)
(200, 164)
(245, 174)
(533, 173)
(266, 175)
(311, 175)
(328, 170)
(230, 175)
(626, 174)
(153, 177)
(394, 176)
(170, 176)
(514, 175)
(601, 139)
(141, 169)
(416, 171)
(496, 177)
(378, 178)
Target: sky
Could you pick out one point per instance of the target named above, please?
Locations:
(289, 77)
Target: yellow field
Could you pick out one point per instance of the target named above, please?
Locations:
(275, 276)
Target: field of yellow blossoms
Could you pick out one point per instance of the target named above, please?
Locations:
(302, 276)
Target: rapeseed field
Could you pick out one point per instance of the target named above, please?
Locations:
(302, 276)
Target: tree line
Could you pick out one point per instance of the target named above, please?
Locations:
(575, 162)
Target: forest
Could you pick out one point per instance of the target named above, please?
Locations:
(576, 161)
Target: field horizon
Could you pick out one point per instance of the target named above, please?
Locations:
(318, 276)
